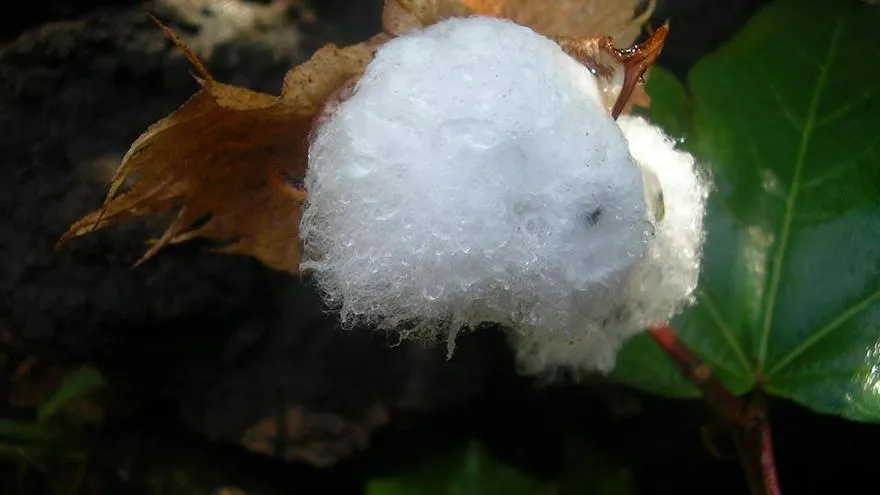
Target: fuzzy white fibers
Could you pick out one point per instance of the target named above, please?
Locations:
(474, 175)
(660, 285)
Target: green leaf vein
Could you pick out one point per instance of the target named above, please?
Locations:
(704, 297)
(809, 342)
(791, 202)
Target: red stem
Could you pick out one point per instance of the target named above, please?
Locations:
(745, 416)
(730, 407)
(768, 461)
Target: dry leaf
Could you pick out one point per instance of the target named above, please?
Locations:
(226, 157)
(319, 439)
(580, 18)
(402, 16)
(309, 85)
(233, 158)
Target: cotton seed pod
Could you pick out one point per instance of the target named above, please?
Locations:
(475, 174)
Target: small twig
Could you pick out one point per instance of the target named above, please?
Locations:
(745, 417)
(768, 461)
(731, 408)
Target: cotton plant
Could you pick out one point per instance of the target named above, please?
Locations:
(475, 161)
(475, 173)
(457, 168)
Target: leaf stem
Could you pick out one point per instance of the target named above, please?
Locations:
(768, 460)
(745, 417)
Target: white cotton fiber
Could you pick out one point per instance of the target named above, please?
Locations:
(660, 284)
(475, 175)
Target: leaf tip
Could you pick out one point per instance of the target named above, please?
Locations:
(182, 46)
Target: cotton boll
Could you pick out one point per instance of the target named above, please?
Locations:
(665, 280)
(661, 284)
(473, 175)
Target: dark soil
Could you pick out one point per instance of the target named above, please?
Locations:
(208, 354)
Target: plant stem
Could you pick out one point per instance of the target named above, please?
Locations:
(745, 417)
(768, 461)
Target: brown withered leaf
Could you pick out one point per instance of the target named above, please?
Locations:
(317, 438)
(580, 18)
(225, 157)
(308, 86)
(402, 16)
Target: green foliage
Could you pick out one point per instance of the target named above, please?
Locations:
(467, 471)
(23, 432)
(471, 471)
(79, 384)
(44, 436)
(787, 118)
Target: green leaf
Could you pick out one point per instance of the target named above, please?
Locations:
(471, 471)
(468, 471)
(21, 432)
(79, 384)
(28, 440)
(787, 116)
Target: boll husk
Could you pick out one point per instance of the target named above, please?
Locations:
(474, 175)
